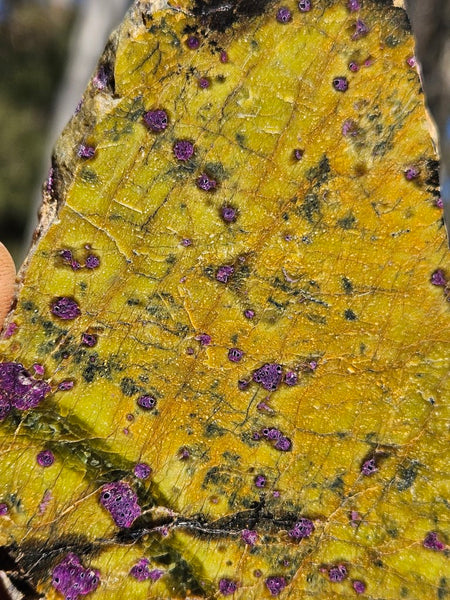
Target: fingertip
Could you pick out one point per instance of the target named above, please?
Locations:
(7, 282)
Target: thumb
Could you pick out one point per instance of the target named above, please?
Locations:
(7, 282)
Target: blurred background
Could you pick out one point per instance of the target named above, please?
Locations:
(48, 51)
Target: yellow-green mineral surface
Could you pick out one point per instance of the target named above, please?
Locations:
(226, 369)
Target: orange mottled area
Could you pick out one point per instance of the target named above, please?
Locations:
(332, 251)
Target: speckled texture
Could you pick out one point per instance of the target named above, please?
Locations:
(280, 366)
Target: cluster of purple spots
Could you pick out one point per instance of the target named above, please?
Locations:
(353, 5)
(275, 584)
(146, 401)
(298, 153)
(249, 536)
(359, 586)
(156, 120)
(228, 214)
(193, 42)
(337, 573)
(45, 458)
(227, 587)
(340, 84)
(224, 273)
(432, 542)
(260, 481)
(361, 30)
(438, 278)
(206, 183)
(65, 308)
(269, 376)
(67, 257)
(235, 354)
(101, 78)
(291, 378)
(183, 149)
(204, 83)
(369, 467)
(66, 385)
(92, 262)
(302, 529)
(353, 66)
(3, 509)
(71, 579)
(141, 572)
(18, 389)
(89, 339)
(411, 173)
(349, 128)
(304, 5)
(284, 15)
(142, 470)
(204, 339)
(121, 502)
(85, 151)
(282, 442)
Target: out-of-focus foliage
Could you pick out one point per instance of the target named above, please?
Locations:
(227, 370)
(33, 44)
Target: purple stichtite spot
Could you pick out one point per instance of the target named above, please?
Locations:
(3, 509)
(228, 214)
(146, 401)
(284, 15)
(337, 573)
(92, 262)
(206, 183)
(121, 502)
(276, 493)
(38, 369)
(353, 5)
(223, 56)
(312, 365)
(298, 153)
(66, 385)
(249, 536)
(256, 436)
(65, 308)
(75, 265)
(156, 574)
(204, 339)
(263, 407)
(142, 470)
(183, 453)
(291, 378)
(50, 183)
(243, 384)
(10, 330)
(271, 433)
(438, 278)
(439, 203)
(361, 30)
(432, 542)
(193, 42)
(140, 570)
(186, 242)
(302, 529)
(411, 61)
(102, 78)
(45, 458)
(340, 84)
(66, 255)
(71, 579)
(353, 66)
(89, 339)
(156, 120)
(224, 273)
(269, 376)
(275, 585)
(284, 444)
(249, 313)
(190, 351)
(304, 5)
(227, 587)
(369, 467)
(349, 128)
(18, 389)
(260, 481)
(183, 149)
(204, 83)
(411, 173)
(85, 151)
(235, 354)
(359, 586)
